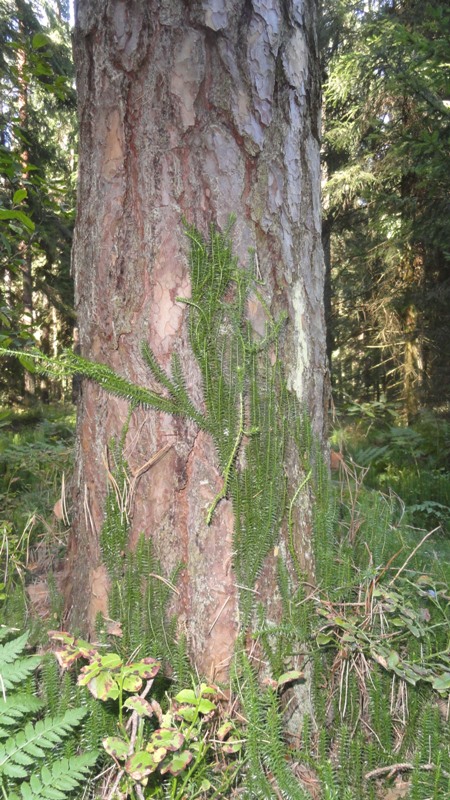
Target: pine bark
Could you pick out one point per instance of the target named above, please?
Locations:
(188, 110)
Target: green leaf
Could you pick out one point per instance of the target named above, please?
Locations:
(10, 651)
(110, 661)
(103, 686)
(186, 696)
(205, 706)
(141, 706)
(232, 746)
(16, 673)
(187, 713)
(158, 754)
(323, 639)
(55, 781)
(88, 672)
(288, 677)
(40, 40)
(342, 623)
(147, 668)
(140, 764)
(206, 689)
(177, 763)
(169, 738)
(72, 648)
(14, 770)
(18, 215)
(132, 683)
(19, 195)
(442, 683)
(393, 659)
(224, 730)
(46, 776)
(35, 784)
(117, 747)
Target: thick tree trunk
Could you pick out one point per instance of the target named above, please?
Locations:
(195, 110)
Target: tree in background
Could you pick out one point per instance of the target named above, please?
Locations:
(37, 162)
(387, 199)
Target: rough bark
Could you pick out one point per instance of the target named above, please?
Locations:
(194, 110)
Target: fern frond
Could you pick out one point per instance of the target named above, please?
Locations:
(34, 740)
(155, 368)
(254, 704)
(17, 672)
(59, 779)
(275, 753)
(175, 386)
(14, 707)
(5, 632)
(181, 396)
(15, 668)
(10, 651)
(68, 363)
(115, 384)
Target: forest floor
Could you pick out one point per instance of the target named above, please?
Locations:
(410, 465)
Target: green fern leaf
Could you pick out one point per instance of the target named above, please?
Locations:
(11, 650)
(23, 759)
(36, 738)
(5, 632)
(62, 777)
(157, 371)
(14, 771)
(17, 672)
(46, 775)
(15, 707)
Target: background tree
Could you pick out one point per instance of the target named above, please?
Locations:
(387, 129)
(37, 142)
(194, 111)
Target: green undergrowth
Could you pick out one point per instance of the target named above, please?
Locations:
(411, 461)
(41, 748)
(373, 632)
(382, 667)
(365, 643)
(36, 447)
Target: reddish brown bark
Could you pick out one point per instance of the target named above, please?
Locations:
(193, 110)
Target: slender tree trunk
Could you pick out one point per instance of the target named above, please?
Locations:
(25, 250)
(194, 110)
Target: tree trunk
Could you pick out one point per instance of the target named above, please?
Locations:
(25, 249)
(197, 111)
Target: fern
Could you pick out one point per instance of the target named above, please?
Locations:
(274, 749)
(25, 742)
(254, 708)
(58, 780)
(14, 667)
(34, 740)
(266, 748)
(256, 428)
(14, 708)
(244, 398)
